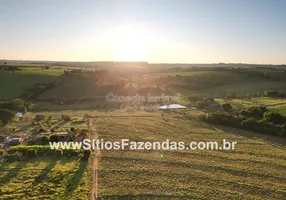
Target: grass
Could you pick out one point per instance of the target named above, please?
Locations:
(45, 178)
(244, 86)
(14, 84)
(239, 104)
(279, 109)
(255, 170)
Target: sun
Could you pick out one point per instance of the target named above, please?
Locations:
(131, 44)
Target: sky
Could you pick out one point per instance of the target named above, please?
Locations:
(156, 31)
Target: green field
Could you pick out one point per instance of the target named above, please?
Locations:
(45, 178)
(14, 84)
(279, 109)
(255, 170)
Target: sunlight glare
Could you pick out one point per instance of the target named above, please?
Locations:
(131, 44)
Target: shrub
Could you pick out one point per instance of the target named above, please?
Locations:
(86, 154)
(32, 107)
(59, 152)
(39, 118)
(225, 119)
(45, 140)
(50, 117)
(32, 152)
(256, 111)
(6, 116)
(274, 118)
(201, 104)
(2, 152)
(271, 93)
(210, 100)
(54, 138)
(41, 150)
(202, 117)
(66, 118)
(42, 130)
(71, 152)
(18, 105)
(195, 98)
(226, 107)
(249, 124)
(31, 142)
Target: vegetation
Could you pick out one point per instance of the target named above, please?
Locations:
(243, 173)
(45, 178)
(62, 98)
(6, 116)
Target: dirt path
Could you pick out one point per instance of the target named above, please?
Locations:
(94, 189)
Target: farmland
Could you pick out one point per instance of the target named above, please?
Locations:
(14, 84)
(45, 178)
(255, 170)
(65, 97)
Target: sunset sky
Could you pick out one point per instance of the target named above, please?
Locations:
(177, 31)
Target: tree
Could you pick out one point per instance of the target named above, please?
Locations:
(39, 118)
(59, 152)
(66, 117)
(54, 138)
(18, 105)
(274, 118)
(6, 116)
(226, 107)
(32, 152)
(86, 154)
(202, 104)
(45, 140)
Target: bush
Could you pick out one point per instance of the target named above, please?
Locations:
(202, 117)
(32, 107)
(274, 118)
(256, 111)
(18, 105)
(226, 107)
(210, 100)
(59, 152)
(86, 154)
(54, 138)
(42, 130)
(225, 119)
(6, 116)
(66, 118)
(39, 118)
(250, 124)
(271, 93)
(195, 98)
(202, 104)
(44, 140)
(32, 152)
(2, 152)
(41, 150)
